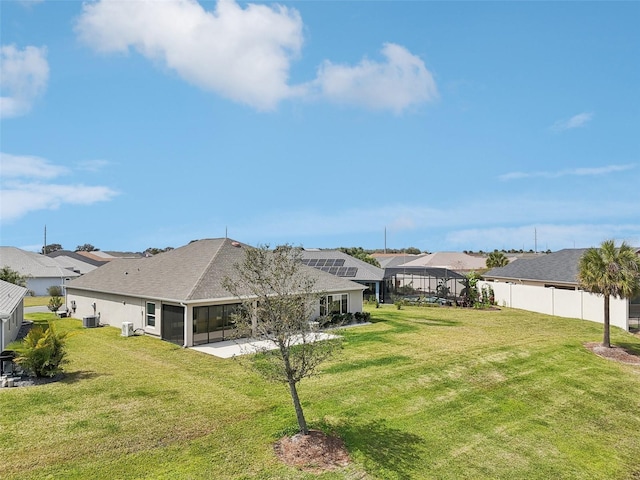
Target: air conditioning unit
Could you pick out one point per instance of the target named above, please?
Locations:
(127, 329)
(90, 322)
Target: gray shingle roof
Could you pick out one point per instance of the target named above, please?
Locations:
(187, 274)
(365, 273)
(10, 297)
(560, 266)
(32, 264)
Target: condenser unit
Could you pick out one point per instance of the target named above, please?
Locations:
(90, 322)
(127, 329)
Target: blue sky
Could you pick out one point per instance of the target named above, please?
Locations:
(452, 125)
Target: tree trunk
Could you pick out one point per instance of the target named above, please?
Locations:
(606, 340)
(302, 423)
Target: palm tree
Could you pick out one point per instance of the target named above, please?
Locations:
(497, 259)
(610, 271)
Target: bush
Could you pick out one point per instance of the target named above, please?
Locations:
(43, 352)
(362, 317)
(55, 303)
(54, 291)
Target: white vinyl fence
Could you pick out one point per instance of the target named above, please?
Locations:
(559, 302)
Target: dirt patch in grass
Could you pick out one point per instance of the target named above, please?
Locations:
(617, 354)
(316, 452)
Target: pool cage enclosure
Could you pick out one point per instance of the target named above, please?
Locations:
(413, 283)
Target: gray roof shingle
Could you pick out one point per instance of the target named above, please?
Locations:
(190, 273)
(365, 273)
(560, 266)
(32, 264)
(10, 297)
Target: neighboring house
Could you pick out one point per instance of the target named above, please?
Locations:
(11, 311)
(340, 264)
(75, 262)
(454, 261)
(549, 284)
(178, 295)
(394, 259)
(40, 271)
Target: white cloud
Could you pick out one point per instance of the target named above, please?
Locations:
(23, 191)
(24, 78)
(577, 121)
(396, 84)
(577, 172)
(245, 54)
(16, 166)
(241, 53)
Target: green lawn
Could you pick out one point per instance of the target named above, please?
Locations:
(439, 393)
(36, 301)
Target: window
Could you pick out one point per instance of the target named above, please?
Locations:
(151, 314)
(334, 304)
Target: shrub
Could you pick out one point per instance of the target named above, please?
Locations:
(54, 291)
(43, 352)
(55, 303)
(362, 317)
(398, 304)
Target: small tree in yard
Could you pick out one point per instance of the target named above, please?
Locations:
(55, 303)
(278, 299)
(610, 271)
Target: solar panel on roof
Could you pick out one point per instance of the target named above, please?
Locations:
(351, 272)
(321, 262)
(333, 270)
(312, 262)
(339, 262)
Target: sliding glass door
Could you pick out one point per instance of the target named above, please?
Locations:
(212, 323)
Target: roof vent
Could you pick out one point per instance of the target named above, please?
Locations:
(236, 244)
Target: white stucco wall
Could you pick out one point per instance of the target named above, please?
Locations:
(560, 302)
(113, 309)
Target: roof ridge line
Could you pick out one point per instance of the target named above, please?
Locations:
(206, 268)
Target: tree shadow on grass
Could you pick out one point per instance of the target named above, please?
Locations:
(79, 376)
(630, 348)
(370, 362)
(387, 452)
(398, 327)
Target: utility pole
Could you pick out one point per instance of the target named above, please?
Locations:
(385, 239)
(44, 247)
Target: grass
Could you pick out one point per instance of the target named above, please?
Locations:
(30, 301)
(421, 393)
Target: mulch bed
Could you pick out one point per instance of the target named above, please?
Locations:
(34, 381)
(316, 452)
(617, 354)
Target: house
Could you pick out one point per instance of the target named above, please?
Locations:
(75, 262)
(40, 271)
(178, 296)
(549, 284)
(11, 311)
(340, 264)
(454, 261)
